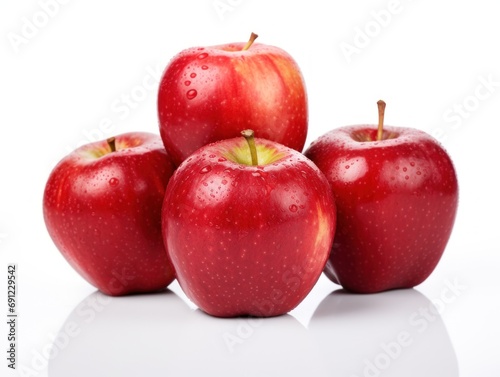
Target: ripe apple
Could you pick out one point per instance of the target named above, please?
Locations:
(396, 193)
(212, 93)
(249, 226)
(102, 208)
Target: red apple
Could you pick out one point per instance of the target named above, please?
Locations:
(102, 208)
(212, 93)
(396, 198)
(248, 227)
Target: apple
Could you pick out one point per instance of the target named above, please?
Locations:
(208, 94)
(396, 193)
(102, 208)
(248, 224)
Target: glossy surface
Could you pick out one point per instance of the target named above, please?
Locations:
(177, 341)
(396, 201)
(427, 61)
(248, 239)
(103, 212)
(213, 93)
(398, 333)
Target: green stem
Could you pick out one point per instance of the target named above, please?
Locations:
(249, 136)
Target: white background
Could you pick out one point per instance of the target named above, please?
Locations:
(436, 64)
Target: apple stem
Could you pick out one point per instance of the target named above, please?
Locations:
(249, 136)
(112, 145)
(253, 37)
(381, 113)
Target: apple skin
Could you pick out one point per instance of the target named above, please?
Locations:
(102, 209)
(208, 94)
(396, 204)
(243, 239)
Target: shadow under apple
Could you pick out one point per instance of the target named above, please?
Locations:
(394, 333)
(158, 333)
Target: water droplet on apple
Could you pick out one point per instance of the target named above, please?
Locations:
(191, 93)
(221, 159)
(256, 174)
(412, 163)
(347, 166)
(204, 67)
(192, 75)
(113, 181)
(224, 182)
(419, 172)
(187, 82)
(203, 55)
(405, 169)
(407, 177)
(205, 169)
(293, 208)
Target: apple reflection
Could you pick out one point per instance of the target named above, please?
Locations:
(157, 334)
(394, 333)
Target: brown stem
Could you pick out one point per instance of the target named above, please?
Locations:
(248, 135)
(381, 113)
(112, 144)
(253, 37)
